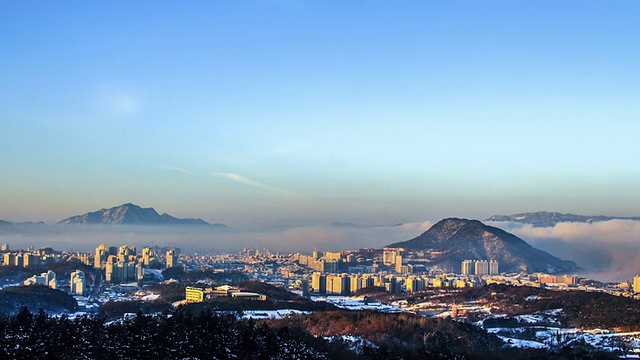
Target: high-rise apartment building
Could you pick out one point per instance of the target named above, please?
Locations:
(126, 252)
(636, 284)
(389, 256)
(102, 252)
(8, 259)
(481, 267)
(493, 267)
(147, 255)
(120, 272)
(172, 258)
(467, 267)
(319, 283)
(78, 283)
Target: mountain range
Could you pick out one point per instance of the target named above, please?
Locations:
(130, 214)
(550, 219)
(461, 239)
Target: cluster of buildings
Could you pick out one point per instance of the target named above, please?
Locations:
(479, 267)
(347, 284)
(78, 283)
(47, 279)
(122, 264)
(196, 294)
(30, 258)
(393, 269)
(328, 273)
(548, 279)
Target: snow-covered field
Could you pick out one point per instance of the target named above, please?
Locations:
(357, 303)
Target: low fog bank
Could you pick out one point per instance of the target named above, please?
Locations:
(202, 239)
(606, 251)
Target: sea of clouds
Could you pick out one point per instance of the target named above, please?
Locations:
(607, 251)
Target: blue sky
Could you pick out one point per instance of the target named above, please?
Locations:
(266, 112)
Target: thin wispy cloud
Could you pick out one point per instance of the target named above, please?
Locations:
(123, 104)
(120, 99)
(249, 182)
(174, 168)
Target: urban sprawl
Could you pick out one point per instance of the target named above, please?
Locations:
(122, 269)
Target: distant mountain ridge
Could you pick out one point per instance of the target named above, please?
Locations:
(550, 219)
(461, 239)
(7, 227)
(131, 214)
(359, 226)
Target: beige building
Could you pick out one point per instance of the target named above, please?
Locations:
(636, 284)
(467, 268)
(172, 258)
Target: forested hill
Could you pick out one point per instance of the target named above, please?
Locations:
(13, 298)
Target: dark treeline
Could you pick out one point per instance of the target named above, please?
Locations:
(219, 335)
(172, 336)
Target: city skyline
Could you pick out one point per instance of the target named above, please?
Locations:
(268, 113)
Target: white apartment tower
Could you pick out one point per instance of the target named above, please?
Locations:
(78, 283)
(481, 267)
(493, 267)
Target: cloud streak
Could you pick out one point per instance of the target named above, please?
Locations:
(174, 168)
(249, 182)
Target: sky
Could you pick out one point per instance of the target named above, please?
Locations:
(258, 113)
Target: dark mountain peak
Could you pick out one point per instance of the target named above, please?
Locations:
(130, 214)
(446, 229)
(460, 239)
(456, 223)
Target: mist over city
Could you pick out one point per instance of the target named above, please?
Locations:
(607, 250)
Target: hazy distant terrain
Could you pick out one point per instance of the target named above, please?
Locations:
(549, 219)
(604, 247)
(131, 214)
(213, 239)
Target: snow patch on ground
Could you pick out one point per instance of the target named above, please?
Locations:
(271, 314)
(357, 303)
(150, 297)
(519, 343)
(357, 344)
